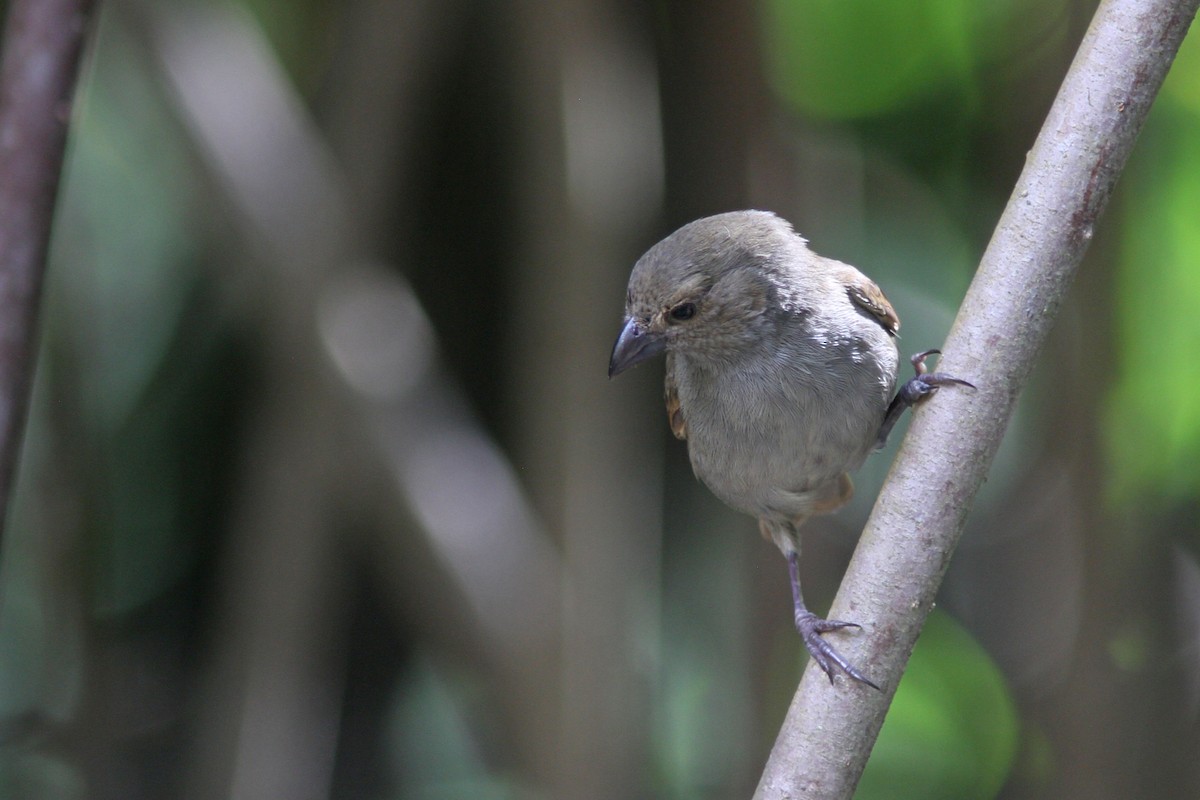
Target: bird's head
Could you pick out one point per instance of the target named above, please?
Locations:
(707, 292)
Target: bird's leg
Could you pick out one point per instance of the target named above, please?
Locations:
(811, 627)
(914, 391)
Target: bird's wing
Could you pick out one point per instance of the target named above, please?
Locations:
(865, 294)
(674, 409)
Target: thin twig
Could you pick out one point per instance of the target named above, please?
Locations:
(42, 43)
(895, 573)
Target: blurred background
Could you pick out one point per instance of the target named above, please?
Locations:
(325, 492)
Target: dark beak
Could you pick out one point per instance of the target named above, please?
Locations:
(633, 346)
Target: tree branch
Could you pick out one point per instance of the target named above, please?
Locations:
(42, 43)
(1012, 303)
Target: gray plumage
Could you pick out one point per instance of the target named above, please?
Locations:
(780, 378)
(780, 366)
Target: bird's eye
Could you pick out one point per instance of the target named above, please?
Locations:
(683, 311)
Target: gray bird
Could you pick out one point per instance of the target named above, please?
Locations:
(780, 369)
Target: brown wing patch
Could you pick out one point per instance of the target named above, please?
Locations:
(870, 298)
(674, 409)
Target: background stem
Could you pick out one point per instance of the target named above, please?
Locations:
(42, 43)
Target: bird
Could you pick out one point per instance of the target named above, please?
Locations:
(780, 375)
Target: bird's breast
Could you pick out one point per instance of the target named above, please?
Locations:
(767, 435)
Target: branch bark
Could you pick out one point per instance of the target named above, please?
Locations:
(42, 43)
(1012, 303)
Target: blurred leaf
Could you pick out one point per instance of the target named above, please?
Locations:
(41, 643)
(695, 742)
(23, 634)
(952, 729)
(1182, 86)
(1152, 424)
(703, 717)
(1129, 649)
(847, 59)
(434, 752)
(32, 776)
(122, 264)
(681, 744)
(125, 342)
(162, 473)
(304, 35)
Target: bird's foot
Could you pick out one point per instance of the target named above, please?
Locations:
(811, 627)
(916, 389)
(925, 383)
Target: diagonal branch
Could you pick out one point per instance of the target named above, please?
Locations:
(1011, 306)
(42, 42)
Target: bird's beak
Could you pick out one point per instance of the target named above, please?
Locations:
(634, 346)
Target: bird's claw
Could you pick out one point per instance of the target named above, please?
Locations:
(918, 387)
(811, 627)
(925, 383)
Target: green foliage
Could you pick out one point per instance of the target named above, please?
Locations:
(848, 59)
(952, 729)
(34, 776)
(433, 749)
(124, 272)
(303, 35)
(1153, 420)
(41, 668)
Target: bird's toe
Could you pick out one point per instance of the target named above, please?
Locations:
(811, 627)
